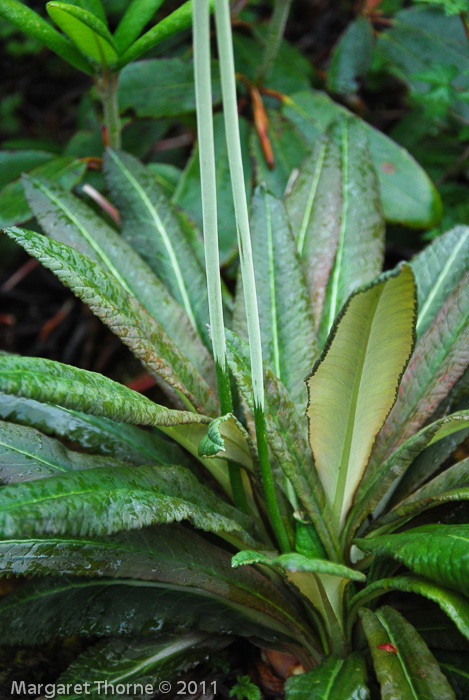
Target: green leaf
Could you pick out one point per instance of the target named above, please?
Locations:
(89, 34)
(61, 607)
(288, 147)
(376, 483)
(438, 269)
(135, 663)
(77, 389)
(454, 605)
(354, 384)
(175, 22)
(360, 244)
(137, 15)
(172, 555)
(245, 689)
(314, 206)
(351, 57)
(107, 499)
(14, 208)
(450, 485)
(28, 455)
(68, 220)
(295, 563)
(188, 191)
(13, 163)
(413, 672)
(92, 434)
(437, 629)
(33, 24)
(287, 327)
(160, 87)
(439, 552)
(334, 678)
(439, 360)
(151, 227)
(286, 436)
(408, 196)
(455, 667)
(227, 438)
(122, 313)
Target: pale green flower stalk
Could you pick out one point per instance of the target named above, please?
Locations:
(230, 110)
(203, 92)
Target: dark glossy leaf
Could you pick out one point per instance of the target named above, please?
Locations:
(172, 555)
(175, 22)
(351, 57)
(188, 191)
(107, 499)
(286, 435)
(438, 269)
(137, 15)
(160, 87)
(14, 208)
(27, 455)
(122, 313)
(68, 220)
(89, 33)
(413, 672)
(94, 434)
(354, 384)
(407, 194)
(152, 228)
(439, 552)
(36, 26)
(436, 629)
(334, 678)
(439, 360)
(287, 328)
(288, 147)
(455, 666)
(135, 666)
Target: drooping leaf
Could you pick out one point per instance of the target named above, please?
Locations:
(136, 663)
(62, 606)
(160, 87)
(354, 384)
(351, 57)
(169, 554)
(227, 438)
(439, 360)
(27, 455)
(438, 269)
(287, 328)
(108, 499)
(377, 483)
(36, 26)
(288, 147)
(286, 436)
(439, 552)
(334, 678)
(314, 207)
(175, 22)
(122, 313)
(400, 674)
(188, 191)
(136, 16)
(360, 245)
(65, 218)
(94, 434)
(14, 208)
(454, 605)
(295, 563)
(88, 33)
(154, 231)
(408, 196)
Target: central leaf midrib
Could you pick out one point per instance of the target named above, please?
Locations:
(310, 199)
(273, 300)
(401, 660)
(166, 241)
(34, 457)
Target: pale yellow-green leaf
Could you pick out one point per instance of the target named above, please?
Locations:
(353, 387)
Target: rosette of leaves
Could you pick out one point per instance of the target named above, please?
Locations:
(118, 511)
